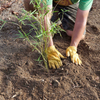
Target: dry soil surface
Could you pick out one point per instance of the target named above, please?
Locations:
(23, 78)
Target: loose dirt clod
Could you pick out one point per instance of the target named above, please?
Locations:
(5, 6)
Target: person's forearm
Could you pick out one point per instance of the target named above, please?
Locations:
(47, 25)
(79, 28)
(48, 28)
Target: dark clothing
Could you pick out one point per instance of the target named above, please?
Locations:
(67, 15)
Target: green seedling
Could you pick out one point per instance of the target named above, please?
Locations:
(39, 41)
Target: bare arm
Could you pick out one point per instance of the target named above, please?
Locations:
(80, 25)
(47, 24)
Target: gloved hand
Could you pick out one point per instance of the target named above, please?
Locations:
(71, 51)
(53, 56)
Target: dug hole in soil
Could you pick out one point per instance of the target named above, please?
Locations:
(23, 78)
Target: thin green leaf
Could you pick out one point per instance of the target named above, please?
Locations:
(21, 34)
(3, 25)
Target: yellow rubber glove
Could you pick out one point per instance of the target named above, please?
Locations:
(53, 56)
(72, 52)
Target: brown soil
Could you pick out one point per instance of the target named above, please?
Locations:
(23, 78)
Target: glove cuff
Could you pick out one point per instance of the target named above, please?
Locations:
(49, 49)
(73, 48)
